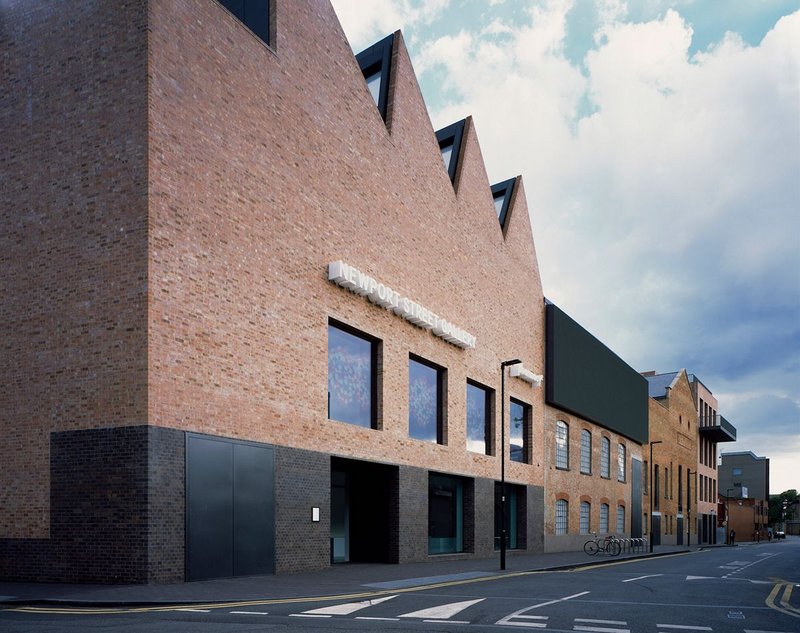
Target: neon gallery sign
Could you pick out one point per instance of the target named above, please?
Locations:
(380, 294)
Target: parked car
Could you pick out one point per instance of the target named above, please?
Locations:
(780, 534)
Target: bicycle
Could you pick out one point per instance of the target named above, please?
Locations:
(610, 545)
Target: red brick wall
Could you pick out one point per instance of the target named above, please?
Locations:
(174, 190)
(73, 225)
(575, 486)
(266, 165)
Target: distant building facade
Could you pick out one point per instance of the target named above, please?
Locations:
(744, 483)
(712, 430)
(669, 493)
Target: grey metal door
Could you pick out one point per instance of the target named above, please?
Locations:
(230, 526)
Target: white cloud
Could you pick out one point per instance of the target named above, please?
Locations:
(366, 22)
(663, 185)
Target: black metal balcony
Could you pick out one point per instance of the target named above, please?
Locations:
(717, 429)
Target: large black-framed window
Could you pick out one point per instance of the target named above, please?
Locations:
(426, 396)
(352, 376)
(519, 432)
(254, 14)
(445, 514)
(479, 418)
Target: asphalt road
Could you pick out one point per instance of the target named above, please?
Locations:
(745, 589)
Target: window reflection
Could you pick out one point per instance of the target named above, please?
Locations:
(517, 434)
(423, 402)
(477, 419)
(350, 378)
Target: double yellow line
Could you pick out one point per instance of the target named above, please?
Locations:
(782, 602)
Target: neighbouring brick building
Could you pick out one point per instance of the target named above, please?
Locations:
(712, 429)
(669, 490)
(255, 307)
(594, 427)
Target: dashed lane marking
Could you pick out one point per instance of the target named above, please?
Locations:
(599, 629)
(684, 627)
(248, 612)
(590, 621)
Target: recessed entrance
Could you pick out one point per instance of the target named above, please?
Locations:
(363, 500)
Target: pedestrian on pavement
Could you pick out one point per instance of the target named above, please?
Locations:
(733, 537)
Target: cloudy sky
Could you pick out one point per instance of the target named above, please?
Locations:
(659, 141)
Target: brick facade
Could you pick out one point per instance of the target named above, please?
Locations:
(575, 486)
(175, 190)
(673, 422)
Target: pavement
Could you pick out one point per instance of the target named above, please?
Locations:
(352, 579)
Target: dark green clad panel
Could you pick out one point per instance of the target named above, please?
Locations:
(586, 378)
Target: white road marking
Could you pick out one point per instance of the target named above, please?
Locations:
(366, 617)
(702, 577)
(599, 629)
(448, 621)
(442, 612)
(308, 615)
(545, 604)
(348, 607)
(249, 612)
(195, 610)
(754, 631)
(684, 627)
(642, 577)
(622, 622)
(518, 615)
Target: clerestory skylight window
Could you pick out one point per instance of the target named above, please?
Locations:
(502, 192)
(375, 63)
(450, 146)
(254, 14)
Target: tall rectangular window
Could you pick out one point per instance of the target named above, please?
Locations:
(445, 514)
(586, 510)
(620, 519)
(425, 401)
(562, 516)
(604, 518)
(586, 452)
(620, 462)
(352, 380)
(479, 425)
(605, 457)
(646, 474)
(562, 445)
(519, 432)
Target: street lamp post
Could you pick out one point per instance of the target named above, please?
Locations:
(689, 474)
(503, 365)
(651, 491)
